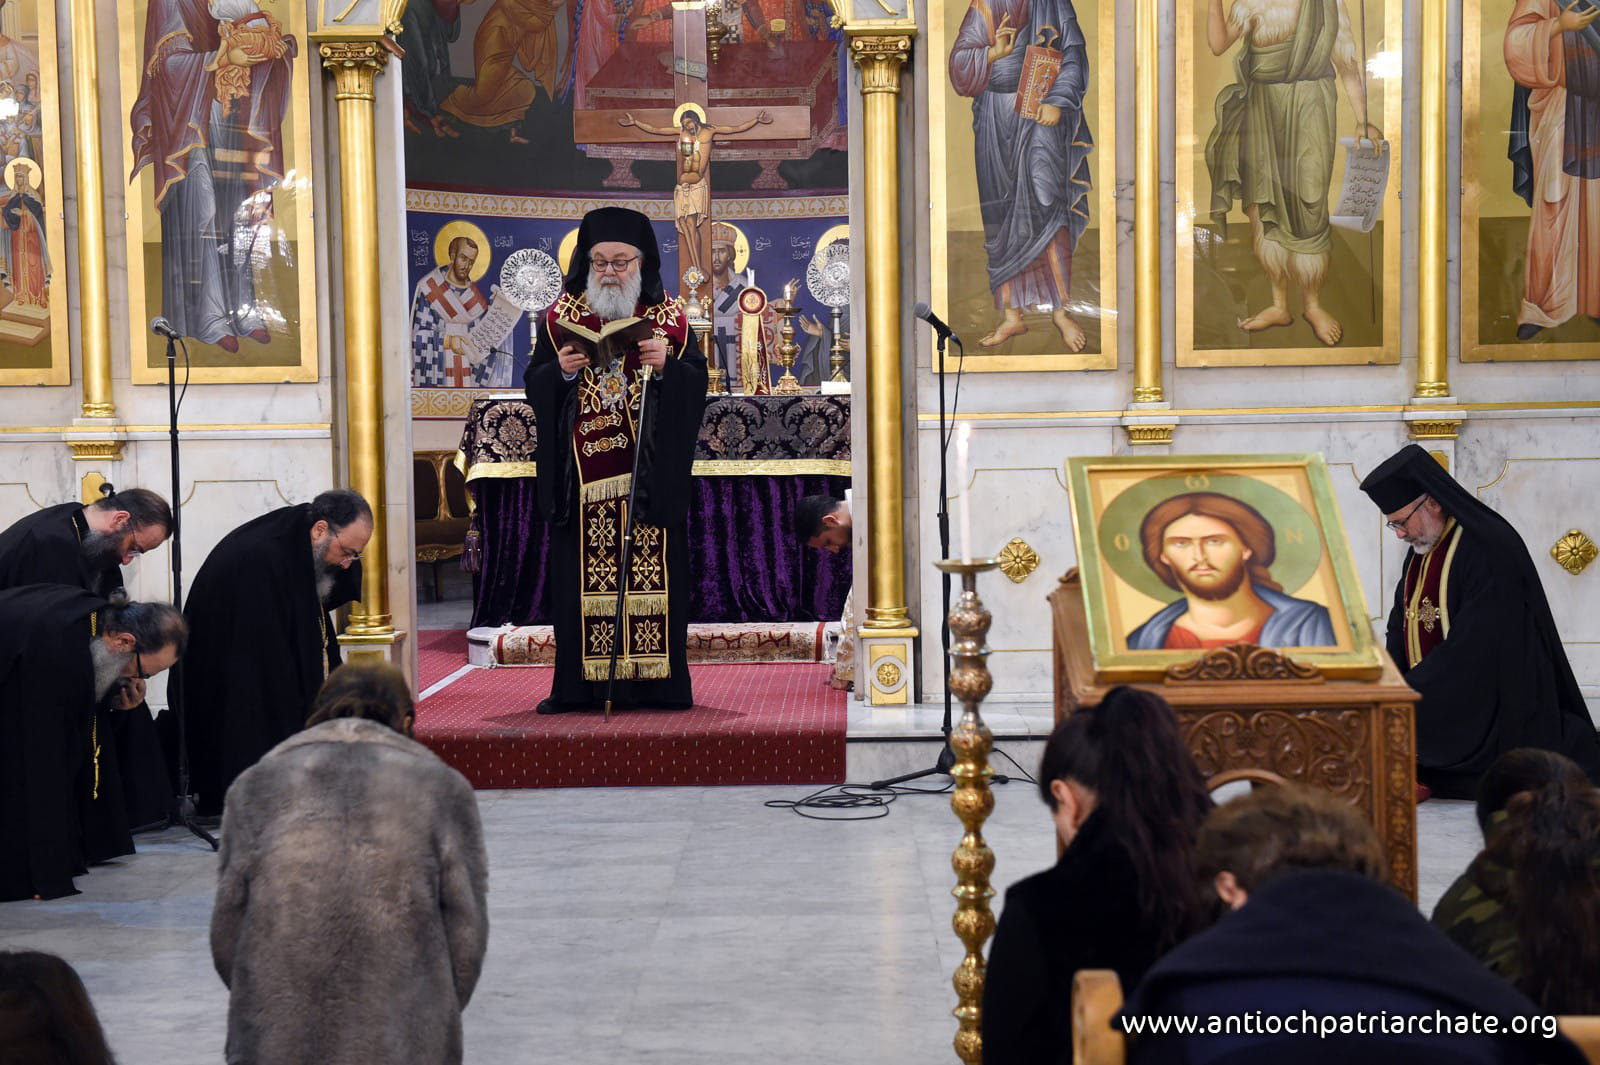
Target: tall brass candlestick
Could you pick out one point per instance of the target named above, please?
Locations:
(788, 384)
(839, 353)
(972, 801)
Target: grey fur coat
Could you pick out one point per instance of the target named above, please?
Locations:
(350, 920)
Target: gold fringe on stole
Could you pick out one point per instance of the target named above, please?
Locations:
(599, 606)
(610, 488)
(653, 668)
(639, 605)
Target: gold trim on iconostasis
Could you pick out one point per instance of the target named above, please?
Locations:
(1383, 73)
(58, 370)
(1476, 166)
(147, 356)
(1103, 169)
(506, 205)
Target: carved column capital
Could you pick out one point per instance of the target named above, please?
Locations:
(355, 65)
(881, 56)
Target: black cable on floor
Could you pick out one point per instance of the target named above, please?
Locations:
(858, 802)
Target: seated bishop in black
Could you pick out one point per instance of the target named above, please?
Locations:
(263, 640)
(1471, 631)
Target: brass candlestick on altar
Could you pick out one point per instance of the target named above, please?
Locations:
(972, 801)
(695, 309)
(788, 384)
(839, 354)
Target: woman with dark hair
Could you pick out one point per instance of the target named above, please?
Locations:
(1551, 844)
(350, 833)
(1475, 911)
(45, 1014)
(1127, 800)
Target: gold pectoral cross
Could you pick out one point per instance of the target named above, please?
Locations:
(1426, 614)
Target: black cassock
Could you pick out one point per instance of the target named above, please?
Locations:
(676, 404)
(45, 548)
(1500, 679)
(257, 636)
(61, 804)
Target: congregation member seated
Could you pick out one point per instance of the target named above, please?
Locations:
(350, 919)
(1320, 961)
(1531, 911)
(1474, 910)
(46, 1017)
(1127, 801)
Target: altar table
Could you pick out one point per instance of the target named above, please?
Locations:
(756, 458)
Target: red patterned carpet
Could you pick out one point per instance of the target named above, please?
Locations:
(751, 724)
(440, 652)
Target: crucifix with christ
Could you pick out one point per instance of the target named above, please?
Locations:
(696, 127)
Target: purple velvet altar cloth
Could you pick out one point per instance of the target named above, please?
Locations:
(745, 562)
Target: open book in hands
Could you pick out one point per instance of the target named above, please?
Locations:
(605, 346)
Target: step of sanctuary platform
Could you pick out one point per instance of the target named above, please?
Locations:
(778, 723)
(730, 643)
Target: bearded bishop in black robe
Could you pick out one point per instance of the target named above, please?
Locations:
(46, 547)
(56, 546)
(61, 791)
(262, 643)
(1471, 631)
(598, 429)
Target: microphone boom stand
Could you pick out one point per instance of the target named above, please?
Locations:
(947, 756)
(183, 809)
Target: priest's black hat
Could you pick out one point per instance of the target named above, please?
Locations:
(629, 227)
(1398, 481)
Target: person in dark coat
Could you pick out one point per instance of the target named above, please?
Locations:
(86, 546)
(1127, 800)
(585, 393)
(263, 641)
(1321, 962)
(1471, 631)
(69, 661)
(351, 918)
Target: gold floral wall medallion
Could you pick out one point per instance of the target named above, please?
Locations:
(1018, 560)
(1574, 552)
(888, 675)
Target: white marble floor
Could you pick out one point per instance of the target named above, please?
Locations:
(655, 926)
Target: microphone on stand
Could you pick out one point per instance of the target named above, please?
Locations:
(923, 311)
(161, 327)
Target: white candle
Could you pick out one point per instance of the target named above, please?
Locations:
(963, 512)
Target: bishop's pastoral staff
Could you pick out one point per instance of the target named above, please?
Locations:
(612, 326)
(263, 641)
(69, 662)
(1472, 631)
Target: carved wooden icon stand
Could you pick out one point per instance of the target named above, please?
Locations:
(1250, 713)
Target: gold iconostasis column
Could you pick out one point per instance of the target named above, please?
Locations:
(886, 637)
(1147, 386)
(94, 331)
(1432, 191)
(355, 65)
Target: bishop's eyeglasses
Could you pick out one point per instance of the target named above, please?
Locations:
(1400, 524)
(616, 266)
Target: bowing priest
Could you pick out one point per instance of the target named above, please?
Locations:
(263, 641)
(613, 326)
(69, 662)
(85, 546)
(1471, 631)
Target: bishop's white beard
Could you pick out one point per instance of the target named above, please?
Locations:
(109, 666)
(614, 301)
(326, 574)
